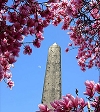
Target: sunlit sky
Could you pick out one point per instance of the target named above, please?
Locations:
(29, 71)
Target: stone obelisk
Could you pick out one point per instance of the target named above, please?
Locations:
(52, 81)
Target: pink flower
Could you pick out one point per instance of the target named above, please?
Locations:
(62, 104)
(8, 75)
(11, 59)
(70, 44)
(12, 16)
(90, 84)
(96, 104)
(36, 43)
(55, 104)
(90, 88)
(27, 50)
(17, 25)
(83, 69)
(31, 30)
(97, 88)
(30, 22)
(10, 83)
(74, 101)
(43, 108)
(67, 49)
(82, 103)
(46, 23)
(39, 35)
(25, 31)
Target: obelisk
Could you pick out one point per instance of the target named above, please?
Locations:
(52, 81)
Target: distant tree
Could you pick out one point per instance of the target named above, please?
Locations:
(30, 17)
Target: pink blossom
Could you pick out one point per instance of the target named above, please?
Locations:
(36, 43)
(83, 69)
(32, 31)
(96, 104)
(17, 25)
(61, 105)
(54, 105)
(82, 102)
(27, 50)
(70, 44)
(67, 20)
(43, 108)
(46, 23)
(25, 31)
(39, 35)
(74, 101)
(90, 88)
(12, 17)
(30, 22)
(11, 59)
(97, 88)
(90, 84)
(10, 84)
(8, 75)
(67, 49)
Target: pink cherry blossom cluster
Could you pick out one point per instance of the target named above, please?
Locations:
(70, 103)
(85, 34)
(17, 21)
(10, 43)
(93, 89)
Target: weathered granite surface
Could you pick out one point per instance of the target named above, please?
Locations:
(52, 80)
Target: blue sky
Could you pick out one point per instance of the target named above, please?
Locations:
(29, 78)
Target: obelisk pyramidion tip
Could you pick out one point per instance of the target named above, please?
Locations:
(55, 44)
